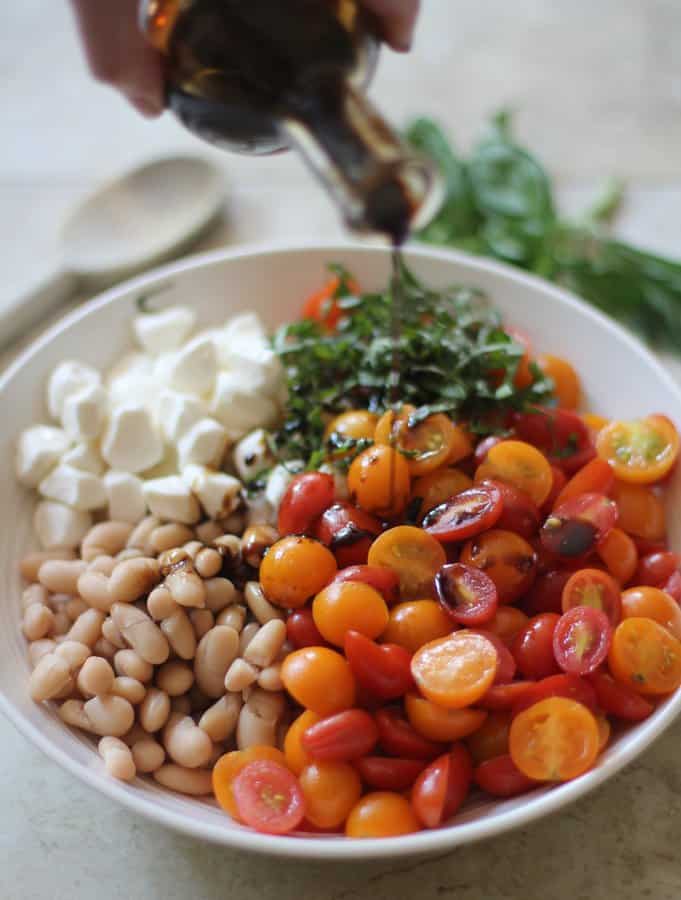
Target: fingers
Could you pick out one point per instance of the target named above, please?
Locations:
(398, 18)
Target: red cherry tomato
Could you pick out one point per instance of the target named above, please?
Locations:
(306, 498)
(571, 686)
(505, 662)
(672, 586)
(384, 670)
(533, 647)
(467, 594)
(504, 696)
(384, 580)
(484, 447)
(519, 512)
(546, 594)
(578, 525)
(339, 738)
(385, 773)
(581, 640)
(268, 797)
(559, 433)
(592, 587)
(442, 787)
(595, 478)
(398, 738)
(465, 515)
(656, 568)
(500, 777)
(559, 482)
(616, 699)
(348, 532)
(301, 630)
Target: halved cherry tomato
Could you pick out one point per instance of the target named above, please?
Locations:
(296, 756)
(565, 380)
(642, 451)
(657, 567)
(616, 699)
(484, 447)
(230, 764)
(386, 773)
(343, 605)
(330, 791)
(500, 777)
(319, 679)
(398, 738)
(506, 558)
(301, 630)
(353, 425)
(381, 814)
(574, 687)
(506, 665)
(294, 569)
(581, 640)
(645, 656)
(466, 514)
(591, 587)
(554, 740)
(619, 553)
(578, 525)
(382, 669)
(653, 603)
(595, 478)
(384, 580)
(379, 481)
(442, 787)
(546, 593)
(519, 464)
(438, 724)
(305, 499)
(455, 671)
(439, 487)
(415, 622)
(466, 594)
(519, 513)
(559, 433)
(507, 622)
(559, 482)
(533, 647)
(491, 739)
(413, 554)
(641, 512)
(348, 532)
(268, 797)
(342, 737)
(672, 586)
(429, 443)
(322, 305)
(504, 696)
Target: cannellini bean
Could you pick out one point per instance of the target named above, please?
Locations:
(118, 760)
(195, 782)
(229, 548)
(239, 675)
(143, 635)
(186, 588)
(75, 607)
(93, 587)
(95, 677)
(175, 677)
(73, 713)
(74, 653)
(130, 663)
(192, 548)
(267, 705)
(38, 649)
(129, 688)
(141, 534)
(37, 622)
(219, 720)
(248, 632)
(87, 628)
(208, 531)
(234, 616)
(31, 563)
(112, 634)
(130, 553)
(181, 705)
(214, 655)
(160, 603)
(154, 710)
(186, 743)
(208, 562)
(104, 564)
(286, 648)
(68, 692)
(220, 593)
(202, 620)
(50, 676)
(174, 560)
(259, 605)
(105, 538)
(270, 678)
(164, 537)
(34, 593)
(61, 624)
(148, 755)
(57, 602)
(104, 648)
(61, 575)
(262, 649)
(109, 715)
(134, 734)
(180, 634)
(255, 542)
(252, 730)
(133, 578)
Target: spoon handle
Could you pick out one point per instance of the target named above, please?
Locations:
(28, 308)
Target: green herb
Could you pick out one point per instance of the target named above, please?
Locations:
(454, 357)
(499, 203)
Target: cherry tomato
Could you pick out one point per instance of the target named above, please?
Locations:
(398, 738)
(546, 593)
(519, 464)
(301, 630)
(484, 447)
(557, 485)
(505, 662)
(554, 740)
(381, 669)
(319, 679)
(294, 569)
(574, 687)
(353, 425)
(577, 526)
(652, 603)
(640, 452)
(565, 380)
(672, 586)
(268, 797)
(381, 814)
(523, 376)
(466, 514)
(466, 594)
(616, 699)
(559, 433)
(507, 622)
(379, 481)
(640, 511)
(619, 553)
(437, 724)
(519, 513)
(500, 777)
(657, 567)
(296, 755)
(457, 670)
(384, 580)
(491, 739)
(645, 656)
(228, 767)
(591, 587)
(416, 622)
(330, 791)
(305, 499)
(413, 555)
(322, 305)
(504, 557)
(462, 445)
(581, 640)
(429, 443)
(439, 487)
(342, 737)
(386, 773)
(533, 647)
(595, 478)
(442, 787)
(502, 697)
(348, 532)
(349, 604)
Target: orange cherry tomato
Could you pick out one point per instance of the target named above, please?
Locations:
(416, 622)
(565, 380)
(228, 767)
(438, 724)
(379, 481)
(331, 790)
(437, 487)
(491, 739)
(428, 444)
(640, 511)
(345, 605)
(640, 452)
(322, 305)
(319, 679)
(508, 621)
(594, 588)
(296, 755)
(596, 477)
(462, 445)
(295, 569)
(506, 558)
(647, 657)
(594, 423)
(554, 740)
(520, 465)
(381, 814)
(652, 603)
(619, 553)
(457, 670)
(523, 376)
(354, 425)
(413, 554)
(604, 730)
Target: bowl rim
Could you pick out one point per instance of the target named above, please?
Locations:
(338, 847)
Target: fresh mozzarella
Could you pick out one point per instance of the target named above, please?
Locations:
(252, 454)
(204, 444)
(68, 378)
(170, 498)
(218, 492)
(73, 487)
(259, 511)
(39, 449)
(60, 526)
(84, 413)
(159, 332)
(131, 441)
(176, 413)
(85, 456)
(125, 496)
(193, 368)
(239, 407)
(279, 479)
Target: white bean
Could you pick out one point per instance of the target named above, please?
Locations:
(93, 587)
(148, 755)
(186, 588)
(208, 562)
(154, 710)
(208, 531)
(248, 632)
(133, 578)
(130, 553)
(104, 564)
(160, 603)
(50, 676)
(234, 616)
(130, 689)
(109, 715)
(61, 575)
(38, 649)
(141, 533)
(104, 648)
(112, 634)
(262, 649)
(258, 604)
(239, 675)
(185, 743)
(252, 730)
(88, 627)
(220, 593)
(118, 760)
(202, 621)
(181, 705)
(134, 734)
(214, 655)
(175, 678)
(95, 677)
(180, 634)
(143, 635)
(105, 538)
(38, 621)
(195, 782)
(34, 593)
(73, 713)
(130, 663)
(219, 720)
(31, 563)
(229, 548)
(61, 624)
(75, 607)
(74, 653)
(192, 548)
(165, 537)
(270, 678)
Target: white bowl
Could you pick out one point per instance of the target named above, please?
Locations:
(620, 379)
